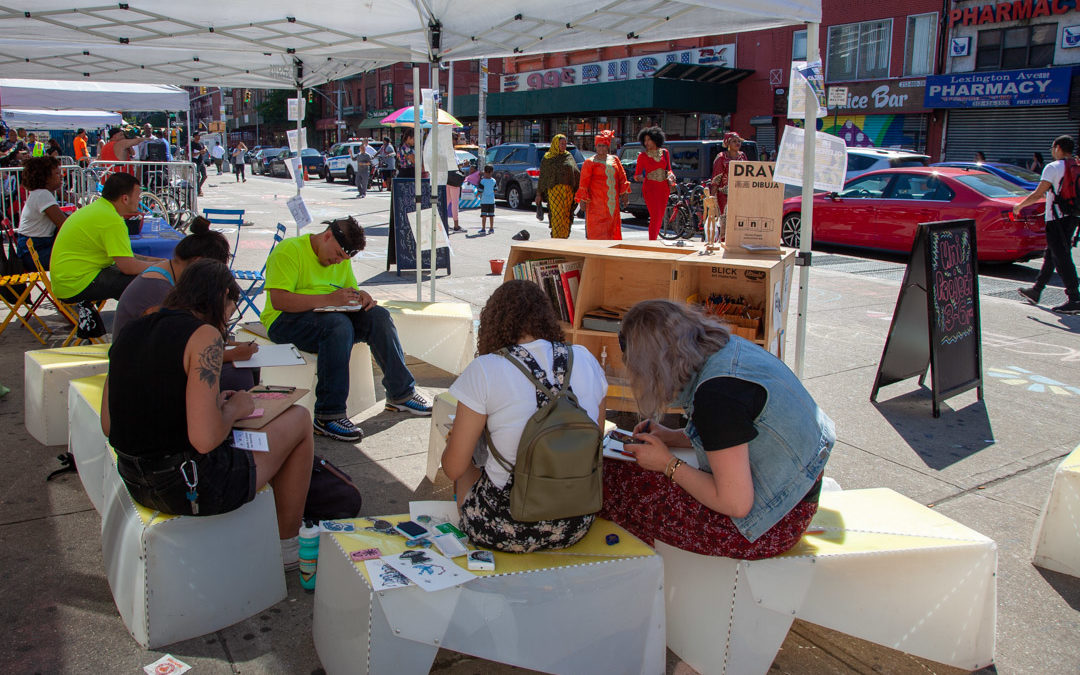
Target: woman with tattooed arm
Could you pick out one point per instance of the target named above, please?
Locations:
(170, 424)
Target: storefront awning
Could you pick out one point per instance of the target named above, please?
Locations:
(371, 123)
(700, 73)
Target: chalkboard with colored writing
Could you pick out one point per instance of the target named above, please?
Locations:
(401, 244)
(936, 320)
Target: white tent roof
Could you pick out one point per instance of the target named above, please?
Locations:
(255, 43)
(59, 119)
(90, 95)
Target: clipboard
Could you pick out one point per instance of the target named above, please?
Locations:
(273, 355)
(272, 406)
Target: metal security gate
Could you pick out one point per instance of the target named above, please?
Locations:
(1006, 134)
(766, 137)
(915, 132)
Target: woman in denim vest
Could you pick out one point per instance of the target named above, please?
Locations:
(759, 439)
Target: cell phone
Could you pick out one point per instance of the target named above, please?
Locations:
(412, 530)
(621, 437)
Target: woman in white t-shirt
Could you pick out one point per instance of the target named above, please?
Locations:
(41, 215)
(492, 392)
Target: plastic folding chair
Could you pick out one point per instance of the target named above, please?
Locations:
(62, 308)
(231, 218)
(17, 291)
(256, 279)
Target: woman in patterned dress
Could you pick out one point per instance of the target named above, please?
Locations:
(604, 189)
(559, 176)
(759, 440)
(493, 394)
(732, 153)
(654, 172)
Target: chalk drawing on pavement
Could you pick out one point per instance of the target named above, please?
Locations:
(1020, 377)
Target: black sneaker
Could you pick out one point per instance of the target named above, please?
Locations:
(417, 404)
(1070, 307)
(341, 429)
(1030, 295)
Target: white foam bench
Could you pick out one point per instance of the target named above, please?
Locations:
(439, 333)
(175, 577)
(1056, 544)
(874, 564)
(592, 608)
(46, 375)
(361, 375)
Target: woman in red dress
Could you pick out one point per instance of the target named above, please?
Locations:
(603, 189)
(654, 173)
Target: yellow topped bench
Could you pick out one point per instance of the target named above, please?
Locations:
(46, 375)
(1056, 544)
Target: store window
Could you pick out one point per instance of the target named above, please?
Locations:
(919, 44)
(798, 45)
(388, 95)
(1016, 47)
(859, 51)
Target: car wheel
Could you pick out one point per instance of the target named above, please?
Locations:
(513, 196)
(329, 176)
(791, 230)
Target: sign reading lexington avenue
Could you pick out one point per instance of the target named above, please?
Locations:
(997, 89)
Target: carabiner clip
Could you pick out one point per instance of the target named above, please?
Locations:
(194, 480)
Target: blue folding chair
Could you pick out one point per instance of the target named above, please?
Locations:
(256, 281)
(229, 217)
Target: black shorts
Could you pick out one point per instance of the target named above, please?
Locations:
(226, 482)
(487, 210)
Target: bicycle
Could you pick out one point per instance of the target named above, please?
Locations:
(685, 212)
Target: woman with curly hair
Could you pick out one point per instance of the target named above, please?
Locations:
(517, 322)
(759, 439)
(41, 215)
(654, 172)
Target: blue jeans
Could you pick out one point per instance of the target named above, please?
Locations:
(332, 335)
(42, 245)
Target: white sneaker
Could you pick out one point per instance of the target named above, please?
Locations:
(290, 553)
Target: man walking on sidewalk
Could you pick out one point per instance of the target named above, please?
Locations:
(1059, 230)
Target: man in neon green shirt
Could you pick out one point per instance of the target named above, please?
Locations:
(313, 271)
(92, 258)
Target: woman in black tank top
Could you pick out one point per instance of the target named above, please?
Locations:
(170, 424)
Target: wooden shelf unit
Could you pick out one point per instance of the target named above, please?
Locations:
(621, 274)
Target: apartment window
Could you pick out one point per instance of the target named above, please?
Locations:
(920, 43)
(798, 45)
(370, 101)
(388, 95)
(1016, 47)
(859, 51)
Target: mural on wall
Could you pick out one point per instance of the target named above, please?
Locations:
(866, 131)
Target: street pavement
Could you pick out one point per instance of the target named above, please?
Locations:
(987, 464)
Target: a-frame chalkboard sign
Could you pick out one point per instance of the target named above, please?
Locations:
(936, 320)
(401, 244)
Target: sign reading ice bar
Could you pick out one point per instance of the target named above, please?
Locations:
(998, 89)
(617, 70)
(1019, 10)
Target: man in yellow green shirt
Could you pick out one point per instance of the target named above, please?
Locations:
(314, 271)
(92, 258)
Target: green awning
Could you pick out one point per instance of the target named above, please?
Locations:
(371, 123)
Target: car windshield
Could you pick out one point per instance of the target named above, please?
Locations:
(309, 152)
(989, 185)
(908, 161)
(1019, 172)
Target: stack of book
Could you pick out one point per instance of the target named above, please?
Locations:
(558, 277)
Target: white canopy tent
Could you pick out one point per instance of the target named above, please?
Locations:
(95, 95)
(285, 44)
(59, 119)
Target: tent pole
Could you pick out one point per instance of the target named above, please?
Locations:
(300, 110)
(450, 90)
(481, 134)
(806, 230)
(434, 173)
(418, 159)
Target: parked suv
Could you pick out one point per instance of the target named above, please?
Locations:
(690, 161)
(341, 159)
(861, 160)
(517, 170)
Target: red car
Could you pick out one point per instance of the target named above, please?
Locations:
(881, 209)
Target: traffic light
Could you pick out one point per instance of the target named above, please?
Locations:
(310, 96)
(247, 96)
(202, 91)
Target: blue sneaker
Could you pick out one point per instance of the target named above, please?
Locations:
(341, 429)
(417, 404)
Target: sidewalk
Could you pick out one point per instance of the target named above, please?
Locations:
(986, 464)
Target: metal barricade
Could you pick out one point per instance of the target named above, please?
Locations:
(172, 187)
(13, 194)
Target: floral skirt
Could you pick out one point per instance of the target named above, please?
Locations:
(485, 517)
(560, 210)
(651, 507)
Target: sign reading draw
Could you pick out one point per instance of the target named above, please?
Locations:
(617, 70)
(830, 160)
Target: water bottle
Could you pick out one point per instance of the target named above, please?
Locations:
(309, 555)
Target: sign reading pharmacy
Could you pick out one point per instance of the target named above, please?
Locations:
(617, 70)
(1035, 86)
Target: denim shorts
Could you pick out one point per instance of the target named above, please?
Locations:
(226, 481)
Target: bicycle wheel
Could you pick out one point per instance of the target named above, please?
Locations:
(669, 227)
(151, 205)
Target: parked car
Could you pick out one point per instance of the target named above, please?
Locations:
(341, 159)
(861, 160)
(881, 209)
(314, 162)
(262, 160)
(279, 163)
(690, 161)
(1029, 180)
(517, 170)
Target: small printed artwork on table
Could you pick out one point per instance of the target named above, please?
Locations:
(384, 577)
(428, 570)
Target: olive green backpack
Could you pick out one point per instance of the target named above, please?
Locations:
(559, 458)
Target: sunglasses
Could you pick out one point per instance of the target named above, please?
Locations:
(339, 237)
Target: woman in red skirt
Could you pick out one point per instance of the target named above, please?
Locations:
(654, 173)
(759, 440)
